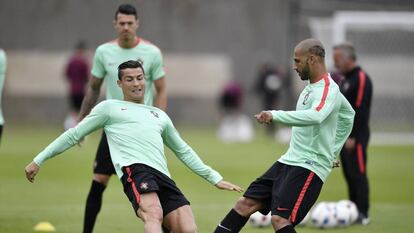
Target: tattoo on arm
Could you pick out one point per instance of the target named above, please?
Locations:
(91, 97)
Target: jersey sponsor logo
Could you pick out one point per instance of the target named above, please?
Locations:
(154, 114)
(309, 162)
(111, 64)
(281, 209)
(123, 109)
(306, 98)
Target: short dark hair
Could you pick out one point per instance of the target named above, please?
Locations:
(317, 50)
(348, 48)
(128, 65)
(126, 9)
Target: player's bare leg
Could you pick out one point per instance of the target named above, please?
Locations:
(279, 222)
(101, 178)
(238, 216)
(181, 220)
(150, 211)
(247, 206)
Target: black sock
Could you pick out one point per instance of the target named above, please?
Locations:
(233, 222)
(93, 206)
(286, 229)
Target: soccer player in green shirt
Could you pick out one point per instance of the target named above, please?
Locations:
(3, 66)
(127, 46)
(136, 135)
(320, 125)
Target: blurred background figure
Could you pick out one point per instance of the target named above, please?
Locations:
(77, 74)
(235, 126)
(3, 65)
(357, 88)
(268, 86)
(337, 77)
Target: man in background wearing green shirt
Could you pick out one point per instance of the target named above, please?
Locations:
(3, 68)
(320, 125)
(136, 136)
(127, 46)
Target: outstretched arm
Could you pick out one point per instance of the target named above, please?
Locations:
(96, 119)
(190, 158)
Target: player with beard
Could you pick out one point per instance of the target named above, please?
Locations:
(320, 124)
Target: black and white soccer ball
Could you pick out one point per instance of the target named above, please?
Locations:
(259, 220)
(324, 215)
(346, 213)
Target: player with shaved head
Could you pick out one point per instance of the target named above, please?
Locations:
(320, 124)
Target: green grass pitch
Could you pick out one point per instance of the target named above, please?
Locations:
(60, 190)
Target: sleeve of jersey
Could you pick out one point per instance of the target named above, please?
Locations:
(96, 119)
(322, 106)
(98, 68)
(344, 125)
(3, 67)
(187, 155)
(157, 69)
(3, 62)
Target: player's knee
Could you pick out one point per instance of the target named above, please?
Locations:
(247, 206)
(279, 222)
(189, 228)
(151, 213)
(103, 179)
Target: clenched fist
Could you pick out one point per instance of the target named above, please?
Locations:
(31, 170)
(264, 117)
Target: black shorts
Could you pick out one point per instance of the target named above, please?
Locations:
(76, 101)
(103, 162)
(140, 178)
(287, 191)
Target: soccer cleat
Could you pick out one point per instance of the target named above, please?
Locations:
(362, 219)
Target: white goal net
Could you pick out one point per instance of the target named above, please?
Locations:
(385, 48)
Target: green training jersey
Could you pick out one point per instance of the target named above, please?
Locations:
(110, 55)
(321, 124)
(136, 133)
(3, 66)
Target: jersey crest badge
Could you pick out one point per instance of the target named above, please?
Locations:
(306, 98)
